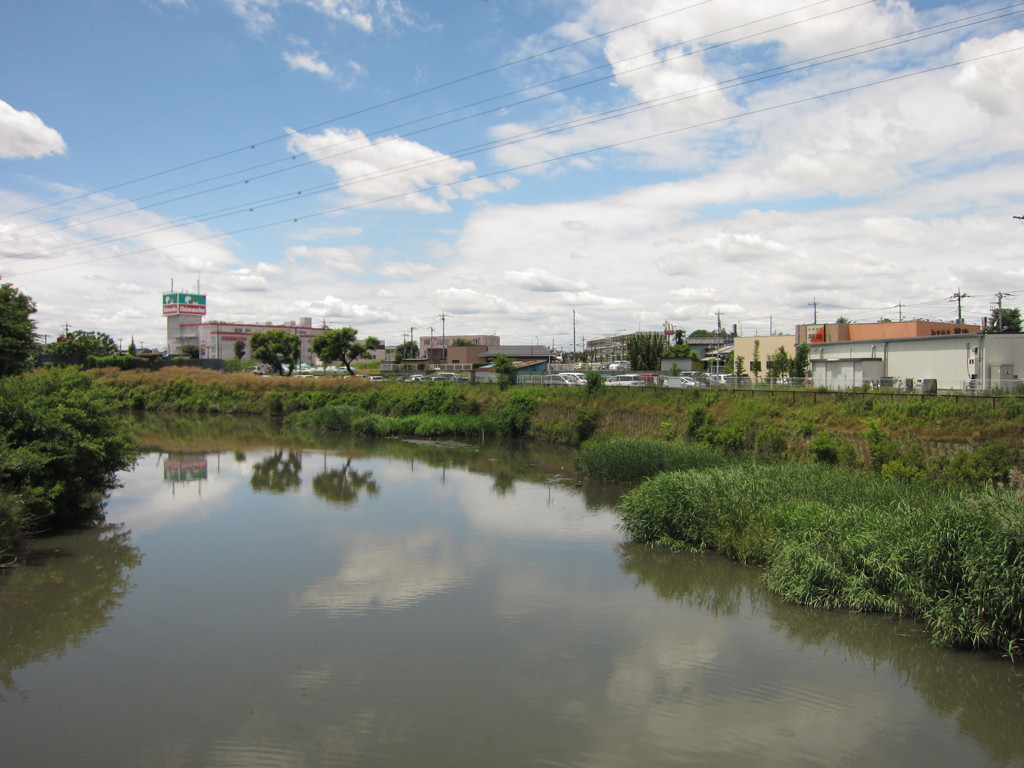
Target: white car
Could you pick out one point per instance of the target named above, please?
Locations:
(574, 378)
(625, 380)
(618, 365)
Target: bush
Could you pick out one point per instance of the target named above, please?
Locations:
(60, 449)
(517, 415)
(632, 459)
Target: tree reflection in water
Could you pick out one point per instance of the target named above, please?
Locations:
(276, 474)
(342, 486)
(47, 607)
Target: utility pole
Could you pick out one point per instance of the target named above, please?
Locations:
(900, 306)
(443, 317)
(814, 303)
(718, 314)
(959, 296)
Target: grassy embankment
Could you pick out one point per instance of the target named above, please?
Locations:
(836, 537)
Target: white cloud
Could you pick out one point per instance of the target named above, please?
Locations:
(24, 134)
(258, 15)
(339, 259)
(309, 62)
(402, 269)
(536, 279)
(390, 172)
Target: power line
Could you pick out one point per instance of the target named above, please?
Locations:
(581, 153)
(773, 72)
(548, 130)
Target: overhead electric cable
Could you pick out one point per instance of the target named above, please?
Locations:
(773, 72)
(545, 161)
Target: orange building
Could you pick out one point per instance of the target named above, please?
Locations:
(904, 329)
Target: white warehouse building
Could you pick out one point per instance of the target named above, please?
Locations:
(971, 361)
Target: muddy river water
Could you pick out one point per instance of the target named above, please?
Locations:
(258, 598)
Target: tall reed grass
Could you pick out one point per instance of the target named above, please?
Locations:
(839, 538)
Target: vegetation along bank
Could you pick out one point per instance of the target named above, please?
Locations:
(904, 504)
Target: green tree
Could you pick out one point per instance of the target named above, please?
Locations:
(778, 363)
(755, 360)
(341, 345)
(278, 349)
(406, 350)
(505, 368)
(17, 330)
(738, 366)
(60, 449)
(1005, 321)
(460, 342)
(645, 349)
(239, 349)
(801, 362)
(190, 351)
(76, 347)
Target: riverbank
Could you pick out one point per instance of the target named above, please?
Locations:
(954, 439)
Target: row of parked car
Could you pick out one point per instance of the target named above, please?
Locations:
(685, 380)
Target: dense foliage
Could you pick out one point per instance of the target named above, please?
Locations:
(645, 349)
(341, 345)
(839, 538)
(17, 330)
(77, 347)
(59, 450)
(276, 348)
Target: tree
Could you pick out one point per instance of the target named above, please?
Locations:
(460, 342)
(340, 345)
(645, 350)
(76, 347)
(755, 360)
(278, 349)
(738, 366)
(778, 363)
(1005, 321)
(17, 330)
(505, 368)
(801, 362)
(191, 351)
(239, 349)
(679, 338)
(406, 350)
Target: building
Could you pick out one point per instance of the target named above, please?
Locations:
(216, 340)
(904, 329)
(443, 342)
(963, 361)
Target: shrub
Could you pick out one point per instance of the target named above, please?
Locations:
(517, 415)
(585, 423)
(632, 459)
(60, 448)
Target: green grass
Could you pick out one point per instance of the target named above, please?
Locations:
(834, 537)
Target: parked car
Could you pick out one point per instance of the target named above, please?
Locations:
(574, 378)
(679, 382)
(618, 365)
(625, 380)
(741, 380)
(448, 377)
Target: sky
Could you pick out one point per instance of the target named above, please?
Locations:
(549, 171)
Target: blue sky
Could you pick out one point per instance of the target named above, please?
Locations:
(380, 163)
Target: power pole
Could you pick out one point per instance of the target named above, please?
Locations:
(443, 317)
(959, 296)
(814, 303)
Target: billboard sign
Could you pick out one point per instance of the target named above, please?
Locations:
(184, 304)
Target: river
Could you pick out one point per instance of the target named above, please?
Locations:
(260, 598)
